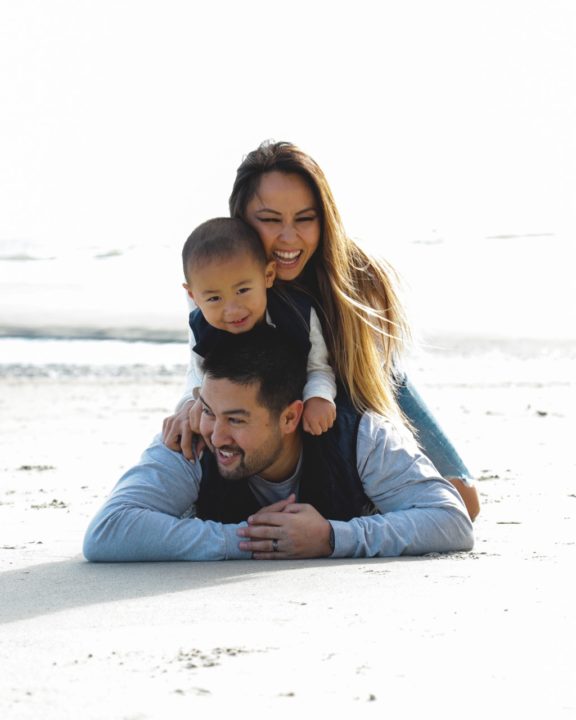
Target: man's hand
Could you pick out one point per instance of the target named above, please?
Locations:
(298, 529)
(319, 415)
(181, 431)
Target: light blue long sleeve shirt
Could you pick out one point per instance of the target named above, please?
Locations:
(150, 514)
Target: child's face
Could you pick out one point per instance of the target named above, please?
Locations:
(231, 294)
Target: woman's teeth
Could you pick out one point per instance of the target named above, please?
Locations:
(287, 257)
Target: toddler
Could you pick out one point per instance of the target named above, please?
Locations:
(231, 282)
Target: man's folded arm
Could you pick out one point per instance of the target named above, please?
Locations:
(147, 516)
(418, 511)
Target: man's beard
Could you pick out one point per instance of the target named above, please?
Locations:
(256, 463)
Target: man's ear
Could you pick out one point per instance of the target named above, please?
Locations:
(188, 290)
(290, 417)
(270, 273)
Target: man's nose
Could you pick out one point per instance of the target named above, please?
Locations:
(220, 435)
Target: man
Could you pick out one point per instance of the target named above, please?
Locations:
(266, 490)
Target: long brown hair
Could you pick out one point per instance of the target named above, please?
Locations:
(364, 324)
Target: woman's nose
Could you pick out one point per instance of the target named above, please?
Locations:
(288, 233)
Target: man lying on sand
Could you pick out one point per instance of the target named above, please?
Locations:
(265, 490)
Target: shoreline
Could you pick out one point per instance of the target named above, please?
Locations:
(129, 333)
(447, 343)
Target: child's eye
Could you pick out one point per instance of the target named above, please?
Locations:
(212, 299)
(243, 290)
(269, 220)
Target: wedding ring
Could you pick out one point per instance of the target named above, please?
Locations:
(275, 545)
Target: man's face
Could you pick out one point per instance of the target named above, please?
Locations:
(244, 436)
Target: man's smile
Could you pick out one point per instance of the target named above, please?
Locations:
(227, 455)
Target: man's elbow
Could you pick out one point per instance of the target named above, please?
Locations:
(467, 541)
(91, 548)
(95, 548)
(464, 537)
(456, 531)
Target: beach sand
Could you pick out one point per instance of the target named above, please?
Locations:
(488, 633)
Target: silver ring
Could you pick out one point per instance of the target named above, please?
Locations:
(275, 545)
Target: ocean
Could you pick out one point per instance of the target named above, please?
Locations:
(124, 306)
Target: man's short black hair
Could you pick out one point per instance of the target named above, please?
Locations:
(221, 239)
(262, 355)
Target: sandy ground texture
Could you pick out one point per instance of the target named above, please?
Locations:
(463, 635)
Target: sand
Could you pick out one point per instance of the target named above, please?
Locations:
(488, 633)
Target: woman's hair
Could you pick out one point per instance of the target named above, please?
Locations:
(362, 318)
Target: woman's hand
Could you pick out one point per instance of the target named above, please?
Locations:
(319, 415)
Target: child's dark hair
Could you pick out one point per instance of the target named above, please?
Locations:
(221, 239)
(261, 355)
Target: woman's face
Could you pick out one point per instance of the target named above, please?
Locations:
(285, 215)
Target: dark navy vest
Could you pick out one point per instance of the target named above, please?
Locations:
(329, 477)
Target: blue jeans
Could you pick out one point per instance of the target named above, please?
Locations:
(429, 434)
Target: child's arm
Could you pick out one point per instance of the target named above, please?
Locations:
(177, 433)
(320, 388)
(193, 374)
(318, 416)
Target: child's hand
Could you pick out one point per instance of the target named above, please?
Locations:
(180, 432)
(319, 415)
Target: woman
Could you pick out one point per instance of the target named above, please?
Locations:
(281, 192)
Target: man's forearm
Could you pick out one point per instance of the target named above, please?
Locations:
(130, 534)
(145, 517)
(419, 512)
(408, 532)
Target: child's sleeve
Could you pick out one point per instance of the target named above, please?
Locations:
(321, 381)
(193, 373)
